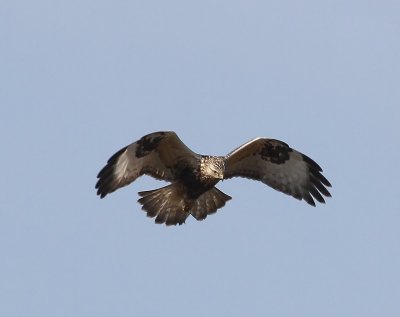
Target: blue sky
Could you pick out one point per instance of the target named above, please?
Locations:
(81, 79)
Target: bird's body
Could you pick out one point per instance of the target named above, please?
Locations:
(193, 177)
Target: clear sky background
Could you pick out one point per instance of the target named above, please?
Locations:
(81, 79)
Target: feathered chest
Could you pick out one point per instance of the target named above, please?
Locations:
(200, 178)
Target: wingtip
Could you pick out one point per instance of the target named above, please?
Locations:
(100, 193)
(312, 163)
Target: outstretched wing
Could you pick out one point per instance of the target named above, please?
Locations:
(160, 154)
(276, 164)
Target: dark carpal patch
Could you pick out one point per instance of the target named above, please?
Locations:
(147, 144)
(275, 152)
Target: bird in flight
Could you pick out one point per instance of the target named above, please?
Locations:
(193, 177)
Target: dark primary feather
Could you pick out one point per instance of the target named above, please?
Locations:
(107, 181)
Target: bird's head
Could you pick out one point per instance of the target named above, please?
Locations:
(213, 167)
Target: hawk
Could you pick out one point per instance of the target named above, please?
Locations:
(193, 177)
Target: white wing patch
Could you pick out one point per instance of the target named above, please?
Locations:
(128, 167)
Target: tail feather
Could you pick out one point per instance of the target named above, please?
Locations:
(167, 204)
(170, 204)
(208, 203)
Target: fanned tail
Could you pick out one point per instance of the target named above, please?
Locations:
(171, 205)
(167, 204)
(208, 203)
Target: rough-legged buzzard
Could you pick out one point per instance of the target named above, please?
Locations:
(193, 177)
